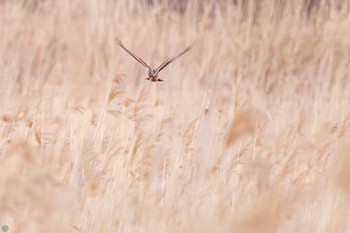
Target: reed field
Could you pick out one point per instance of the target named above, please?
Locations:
(249, 132)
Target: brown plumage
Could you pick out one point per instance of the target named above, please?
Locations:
(153, 73)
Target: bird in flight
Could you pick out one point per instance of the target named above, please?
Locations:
(153, 73)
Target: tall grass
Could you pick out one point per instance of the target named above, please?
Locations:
(248, 133)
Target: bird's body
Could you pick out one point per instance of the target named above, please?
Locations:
(153, 72)
(153, 75)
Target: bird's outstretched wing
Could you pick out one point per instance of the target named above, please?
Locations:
(131, 53)
(170, 60)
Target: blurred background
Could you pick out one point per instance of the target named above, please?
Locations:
(249, 132)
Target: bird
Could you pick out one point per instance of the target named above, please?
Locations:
(153, 72)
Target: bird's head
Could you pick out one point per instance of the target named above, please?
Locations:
(152, 73)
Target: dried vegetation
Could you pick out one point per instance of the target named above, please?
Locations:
(248, 133)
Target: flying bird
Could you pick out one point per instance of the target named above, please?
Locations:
(153, 73)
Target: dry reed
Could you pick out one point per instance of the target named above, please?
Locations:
(248, 133)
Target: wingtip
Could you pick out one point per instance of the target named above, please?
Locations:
(194, 42)
(118, 40)
(192, 45)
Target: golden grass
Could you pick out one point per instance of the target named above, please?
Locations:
(248, 133)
